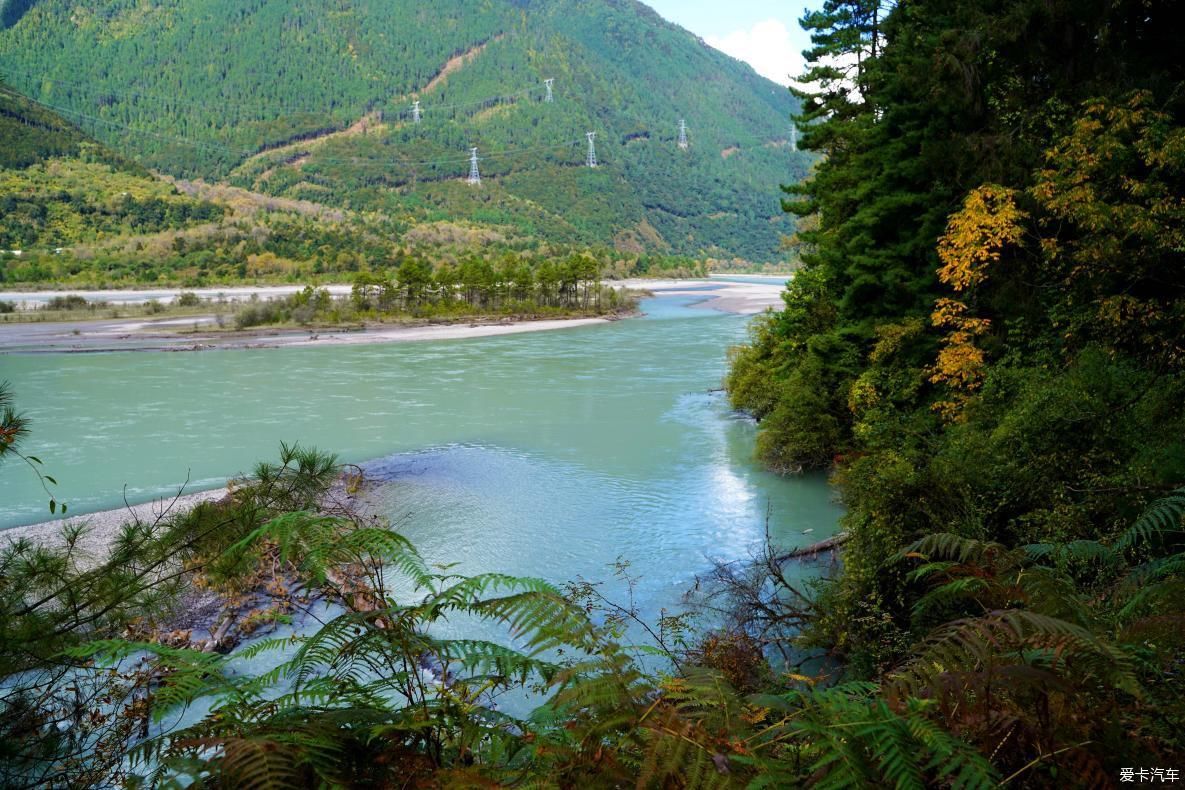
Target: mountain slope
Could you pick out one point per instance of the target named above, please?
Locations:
(202, 87)
(74, 212)
(32, 134)
(59, 187)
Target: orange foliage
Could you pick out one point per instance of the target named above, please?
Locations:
(975, 238)
(988, 222)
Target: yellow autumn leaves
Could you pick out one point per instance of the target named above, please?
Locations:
(975, 237)
(976, 234)
(1109, 225)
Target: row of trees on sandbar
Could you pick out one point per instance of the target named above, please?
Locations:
(573, 283)
(411, 287)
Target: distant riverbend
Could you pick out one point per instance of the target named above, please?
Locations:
(199, 332)
(545, 454)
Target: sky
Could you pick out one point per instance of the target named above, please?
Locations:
(763, 33)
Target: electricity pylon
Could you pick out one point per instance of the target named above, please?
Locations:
(474, 176)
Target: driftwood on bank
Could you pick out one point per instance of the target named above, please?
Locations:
(815, 549)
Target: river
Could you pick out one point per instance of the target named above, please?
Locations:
(548, 454)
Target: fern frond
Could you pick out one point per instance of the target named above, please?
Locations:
(971, 646)
(948, 546)
(256, 649)
(610, 687)
(1165, 631)
(952, 760)
(186, 675)
(254, 764)
(856, 739)
(391, 547)
(1156, 594)
(532, 609)
(1162, 517)
(950, 593)
(1051, 593)
(490, 658)
(1082, 551)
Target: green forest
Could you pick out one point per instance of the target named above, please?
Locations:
(313, 102)
(985, 344)
(74, 213)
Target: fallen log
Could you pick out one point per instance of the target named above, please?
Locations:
(830, 544)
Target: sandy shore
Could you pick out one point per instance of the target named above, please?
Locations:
(744, 298)
(104, 526)
(781, 277)
(147, 335)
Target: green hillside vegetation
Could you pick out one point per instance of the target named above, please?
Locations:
(327, 92)
(33, 134)
(59, 188)
(70, 201)
(985, 344)
(81, 215)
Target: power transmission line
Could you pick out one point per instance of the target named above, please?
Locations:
(113, 124)
(395, 164)
(591, 159)
(488, 101)
(364, 162)
(256, 109)
(249, 153)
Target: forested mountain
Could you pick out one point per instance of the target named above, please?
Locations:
(32, 134)
(73, 212)
(58, 187)
(313, 101)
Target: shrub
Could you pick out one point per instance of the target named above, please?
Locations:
(67, 302)
(304, 314)
(261, 313)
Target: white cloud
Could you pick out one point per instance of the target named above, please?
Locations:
(767, 46)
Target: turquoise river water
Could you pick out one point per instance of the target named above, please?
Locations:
(547, 454)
